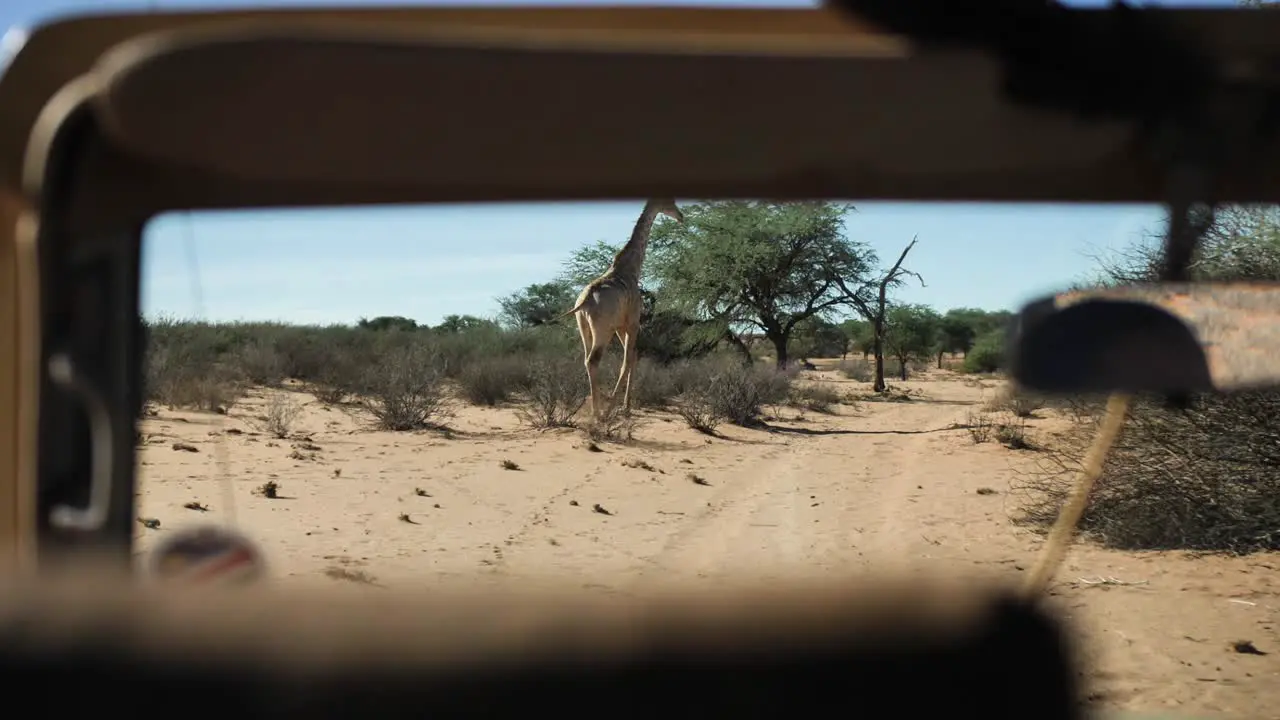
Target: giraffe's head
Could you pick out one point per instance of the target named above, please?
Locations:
(667, 207)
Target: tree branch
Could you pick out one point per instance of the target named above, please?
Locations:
(897, 270)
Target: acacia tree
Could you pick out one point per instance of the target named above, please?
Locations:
(739, 264)
(388, 322)
(871, 300)
(537, 304)
(463, 323)
(667, 334)
(911, 332)
(816, 337)
(590, 261)
(961, 328)
(858, 336)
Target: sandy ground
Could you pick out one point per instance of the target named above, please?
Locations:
(875, 486)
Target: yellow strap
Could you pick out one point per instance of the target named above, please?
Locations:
(1060, 536)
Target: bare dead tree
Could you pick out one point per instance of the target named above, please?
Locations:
(874, 308)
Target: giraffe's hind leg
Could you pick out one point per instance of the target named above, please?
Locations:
(592, 351)
(628, 340)
(584, 332)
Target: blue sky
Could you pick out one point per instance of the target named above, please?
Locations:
(426, 263)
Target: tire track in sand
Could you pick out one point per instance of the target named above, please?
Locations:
(836, 500)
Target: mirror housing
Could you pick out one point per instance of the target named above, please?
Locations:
(1166, 338)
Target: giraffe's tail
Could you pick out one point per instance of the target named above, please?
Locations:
(575, 309)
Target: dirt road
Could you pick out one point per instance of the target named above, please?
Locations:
(880, 486)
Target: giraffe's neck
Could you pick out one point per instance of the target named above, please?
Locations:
(627, 262)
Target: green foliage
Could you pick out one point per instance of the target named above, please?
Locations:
(667, 336)
(911, 332)
(816, 337)
(387, 322)
(737, 266)
(987, 354)
(750, 263)
(537, 304)
(979, 321)
(590, 261)
(958, 329)
(463, 323)
(860, 335)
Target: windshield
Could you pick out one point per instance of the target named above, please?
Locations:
(397, 397)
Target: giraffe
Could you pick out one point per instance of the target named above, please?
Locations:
(610, 305)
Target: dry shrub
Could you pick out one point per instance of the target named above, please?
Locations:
(1011, 431)
(329, 394)
(1204, 479)
(744, 391)
(260, 363)
(615, 424)
(209, 393)
(176, 379)
(700, 411)
(404, 389)
(654, 386)
(859, 370)
(1025, 406)
(493, 381)
(557, 390)
(281, 412)
(1017, 402)
(697, 403)
(979, 426)
(863, 370)
(340, 374)
(727, 391)
(893, 369)
(818, 397)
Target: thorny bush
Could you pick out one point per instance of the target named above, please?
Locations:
(404, 389)
(1204, 479)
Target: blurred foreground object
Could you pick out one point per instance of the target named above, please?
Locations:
(1160, 338)
(920, 650)
(207, 554)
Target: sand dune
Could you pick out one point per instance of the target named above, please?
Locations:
(875, 486)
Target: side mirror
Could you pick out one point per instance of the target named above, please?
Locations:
(1165, 338)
